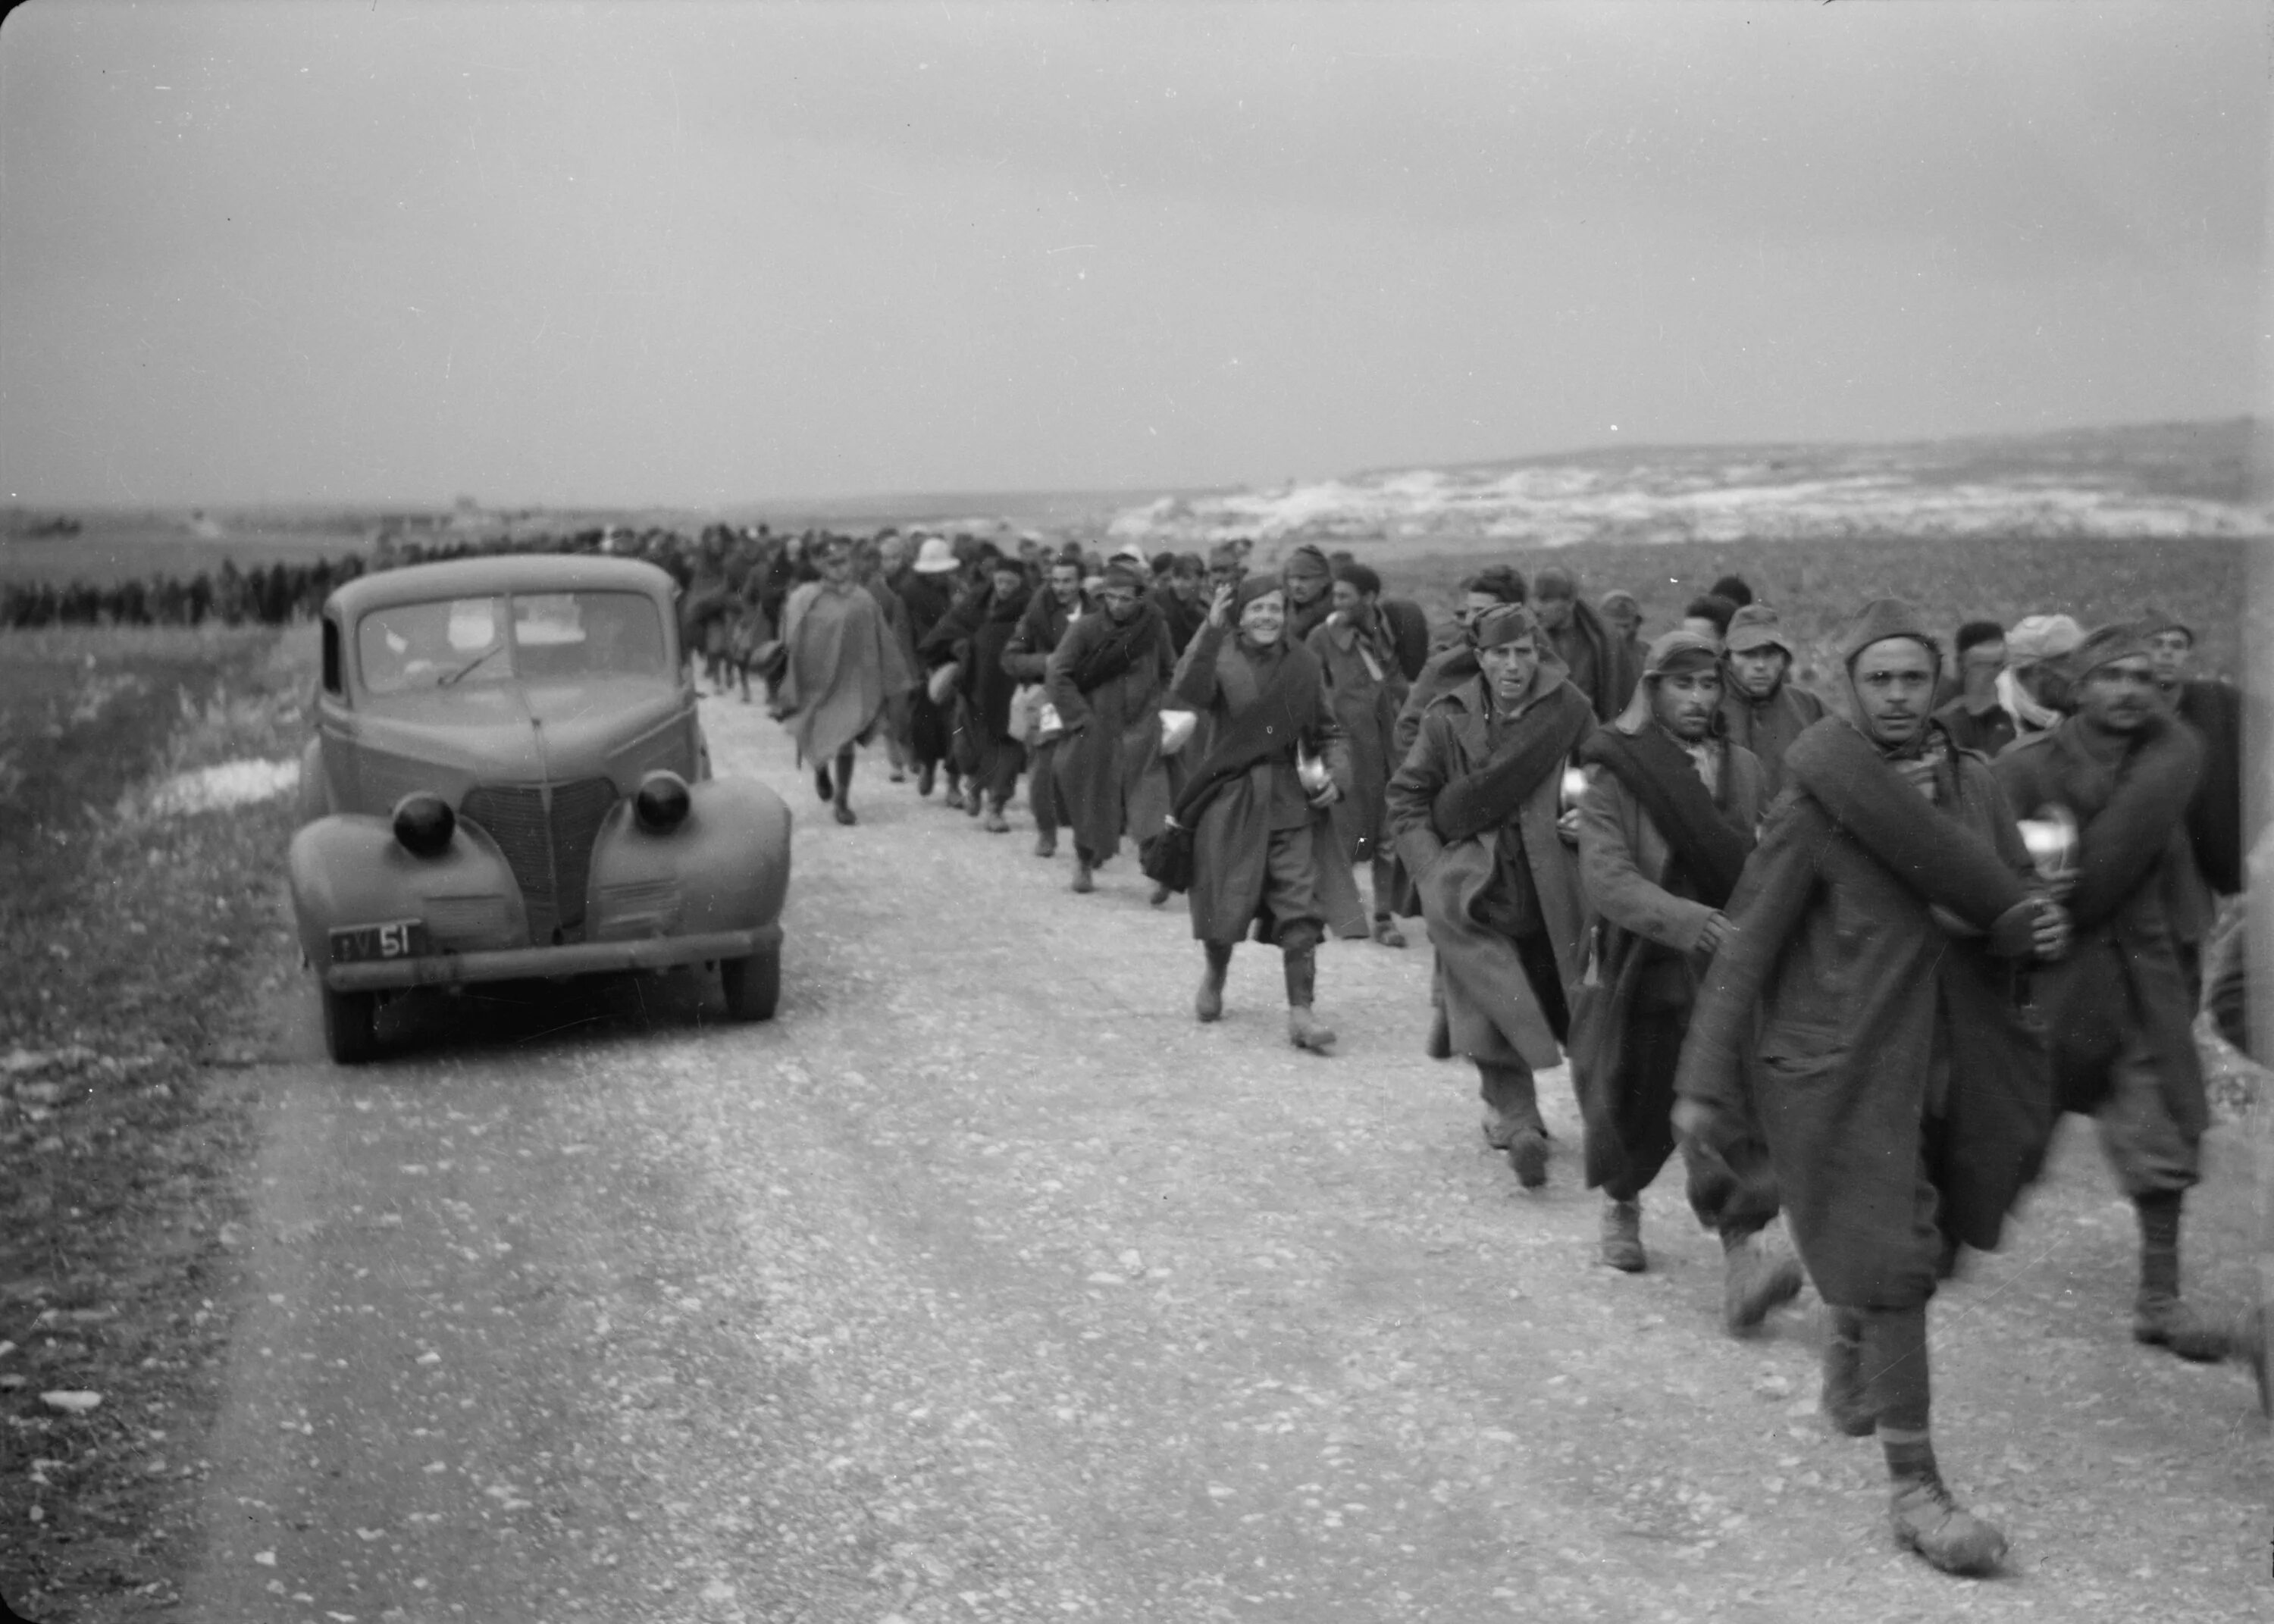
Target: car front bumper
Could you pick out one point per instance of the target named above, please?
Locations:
(513, 964)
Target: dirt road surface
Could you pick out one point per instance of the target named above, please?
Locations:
(984, 1284)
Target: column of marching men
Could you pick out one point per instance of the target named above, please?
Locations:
(1848, 965)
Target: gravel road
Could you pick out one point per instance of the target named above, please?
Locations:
(984, 1283)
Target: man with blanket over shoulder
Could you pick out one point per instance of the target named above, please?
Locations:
(1664, 827)
(1106, 677)
(1474, 812)
(1260, 832)
(1867, 1017)
(843, 663)
(2121, 1009)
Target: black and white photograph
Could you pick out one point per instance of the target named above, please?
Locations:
(991, 811)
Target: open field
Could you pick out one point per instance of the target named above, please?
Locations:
(1816, 586)
(136, 938)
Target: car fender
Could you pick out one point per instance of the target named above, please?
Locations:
(348, 869)
(315, 789)
(725, 868)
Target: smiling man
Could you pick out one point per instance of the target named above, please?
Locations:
(1473, 810)
(2121, 1010)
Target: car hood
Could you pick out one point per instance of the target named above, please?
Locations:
(523, 733)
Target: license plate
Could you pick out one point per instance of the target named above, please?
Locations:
(404, 939)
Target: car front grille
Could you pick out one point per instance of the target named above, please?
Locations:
(551, 855)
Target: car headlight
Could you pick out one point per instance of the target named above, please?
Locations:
(423, 823)
(661, 804)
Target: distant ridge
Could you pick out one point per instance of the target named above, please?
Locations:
(2159, 480)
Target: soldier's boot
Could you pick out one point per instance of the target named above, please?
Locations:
(1922, 1512)
(1207, 1003)
(1303, 1029)
(1622, 1237)
(1753, 1281)
(2160, 1316)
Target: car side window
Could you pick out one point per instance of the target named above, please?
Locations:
(333, 682)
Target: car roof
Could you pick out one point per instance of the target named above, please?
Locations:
(519, 572)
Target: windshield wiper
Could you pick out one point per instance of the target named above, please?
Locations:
(450, 678)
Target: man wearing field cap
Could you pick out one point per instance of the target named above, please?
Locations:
(1310, 591)
(2033, 686)
(2120, 1010)
(1867, 1018)
(2214, 709)
(1762, 709)
(1474, 810)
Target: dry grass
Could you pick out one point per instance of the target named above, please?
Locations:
(123, 1125)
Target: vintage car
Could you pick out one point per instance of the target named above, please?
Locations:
(508, 780)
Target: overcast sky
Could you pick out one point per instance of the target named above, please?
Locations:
(670, 252)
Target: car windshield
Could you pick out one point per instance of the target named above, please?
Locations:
(527, 636)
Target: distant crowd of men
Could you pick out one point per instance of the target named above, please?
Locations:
(1848, 962)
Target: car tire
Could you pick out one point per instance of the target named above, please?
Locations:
(752, 985)
(350, 1026)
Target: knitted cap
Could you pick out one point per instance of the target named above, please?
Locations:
(1879, 620)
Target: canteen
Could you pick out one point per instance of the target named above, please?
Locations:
(2051, 839)
(1176, 730)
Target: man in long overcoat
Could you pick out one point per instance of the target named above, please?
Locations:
(1106, 678)
(1258, 827)
(1665, 827)
(1050, 614)
(842, 662)
(974, 636)
(1764, 711)
(928, 589)
(1452, 665)
(1867, 1017)
(2121, 1009)
(2214, 709)
(1474, 809)
(1357, 648)
(1598, 662)
(1310, 576)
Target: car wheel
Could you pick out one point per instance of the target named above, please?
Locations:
(350, 1026)
(752, 985)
